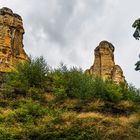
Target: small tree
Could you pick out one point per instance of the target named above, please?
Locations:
(136, 35)
(137, 65)
(36, 72)
(29, 74)
(136, 25)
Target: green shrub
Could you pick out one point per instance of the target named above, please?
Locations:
(131, 93)
(106, 90)
(99, 88)
(79, 85)
(26, 75)
(15, 84)
(11, 117)
(113, 92)
(58, 83)
(36, 72)
(34, 78)
(74, 83)
(30, 111)
(35, 93)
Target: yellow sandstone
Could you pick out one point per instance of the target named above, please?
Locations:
(11, 40)
(104, 65)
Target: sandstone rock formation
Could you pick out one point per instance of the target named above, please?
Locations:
(11, 39)
(104, 65)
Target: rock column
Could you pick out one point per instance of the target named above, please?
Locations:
(104, 65)
(11, 40)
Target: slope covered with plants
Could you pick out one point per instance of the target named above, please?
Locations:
(41, 103)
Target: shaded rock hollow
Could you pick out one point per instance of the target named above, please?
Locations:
(11, 40)
(104, 65)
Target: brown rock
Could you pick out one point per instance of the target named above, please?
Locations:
(104, 65)
(11, 40)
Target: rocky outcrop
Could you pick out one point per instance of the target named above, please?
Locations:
(11, 40)
(104, 65)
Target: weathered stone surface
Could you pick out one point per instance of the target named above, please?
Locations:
(104, 65)
(11, 40)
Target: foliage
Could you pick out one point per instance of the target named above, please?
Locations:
(132, 94)
(136, 25)
(29, 111)
(66, 104)
(71, 83)
(137, 65)
(35, 93)
(36, 72)
(34, 78)
(26, 75)
(112, 92)
(136, 35)
(74, 83)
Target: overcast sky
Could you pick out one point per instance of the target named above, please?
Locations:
(69, 30)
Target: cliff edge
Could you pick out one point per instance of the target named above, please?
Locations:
(11, 40)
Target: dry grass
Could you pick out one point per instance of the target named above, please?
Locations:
(126, 121)
(96, 104)
(90, 115)
(113, 127)
(6, 112)
(121, 120)
(49, 97)
(66, 116)
(70, 103)
(125, 105)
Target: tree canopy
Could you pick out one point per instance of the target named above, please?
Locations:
(136, 35)
(136, 25)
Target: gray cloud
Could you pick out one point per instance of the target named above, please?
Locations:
(69, 30)
(65, 19)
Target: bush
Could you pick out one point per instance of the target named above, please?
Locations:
(35, 77)
(113, 92)
(74, 83)
(79, 85)
(26, 75)
(131, 93)
(15, 84)
(57, 82)
(29, 111)
(35, 93)
(36, 72)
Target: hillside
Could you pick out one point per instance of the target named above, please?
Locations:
(40, 103)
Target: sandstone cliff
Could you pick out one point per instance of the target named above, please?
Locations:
(11, 39)
(104, 65)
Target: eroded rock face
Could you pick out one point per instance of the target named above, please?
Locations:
(11, 40)
(104, 65)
